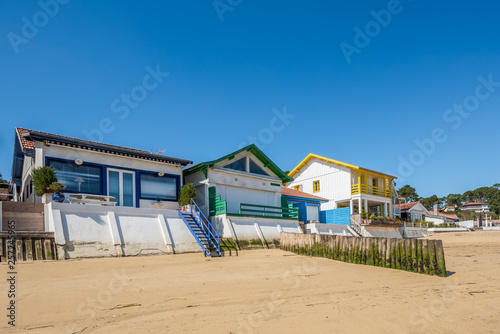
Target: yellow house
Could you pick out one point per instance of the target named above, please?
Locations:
(345, 185)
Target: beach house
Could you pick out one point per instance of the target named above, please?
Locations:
(131, 177)
(350, 189)
(241, 193)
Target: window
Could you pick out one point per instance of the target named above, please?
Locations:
(255, 169)
(297, 188)
(241, 165)
(315, 186)
(238, 165)
(163, 187)
(78, 179)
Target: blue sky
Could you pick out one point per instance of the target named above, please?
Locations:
(235, 68)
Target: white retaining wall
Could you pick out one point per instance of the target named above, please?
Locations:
(97, 231)
(331, 229)
(254, 228)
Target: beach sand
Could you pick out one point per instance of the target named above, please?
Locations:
(260, 291)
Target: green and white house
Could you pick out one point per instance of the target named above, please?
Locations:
(241, 193)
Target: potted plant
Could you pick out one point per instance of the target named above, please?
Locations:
(186, 193)
(45, 182)
(158, 204)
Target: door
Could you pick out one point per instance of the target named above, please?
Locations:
(121, 185)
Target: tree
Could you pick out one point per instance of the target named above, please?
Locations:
(186, 193)
(409, 193)
(454, 200)
(1, 179)
(45, 181)
(429, 202)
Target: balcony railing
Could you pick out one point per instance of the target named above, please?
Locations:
(370, 190)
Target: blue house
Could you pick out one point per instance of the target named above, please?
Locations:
(308, 205)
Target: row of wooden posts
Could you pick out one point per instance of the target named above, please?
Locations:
(415, 255)
(28, 247)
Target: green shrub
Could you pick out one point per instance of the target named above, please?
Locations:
(187, 192)
(45, 181)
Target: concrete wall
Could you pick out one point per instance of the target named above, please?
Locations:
(97, 231)
(331, 229)
(253, 228)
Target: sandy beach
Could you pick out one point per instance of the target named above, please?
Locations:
(260, 291)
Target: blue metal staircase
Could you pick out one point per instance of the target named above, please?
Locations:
(202, 230)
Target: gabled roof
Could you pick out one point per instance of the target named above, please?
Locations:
(252, 148)
(311, 156)
(300, 194)
(29, 137)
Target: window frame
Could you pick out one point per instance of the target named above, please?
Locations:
(102, 168)
(316, 187)
(177, 188)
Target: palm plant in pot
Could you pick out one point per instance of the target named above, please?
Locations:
(186, 192)
(45, 182)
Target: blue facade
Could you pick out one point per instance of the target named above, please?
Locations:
(336, 216)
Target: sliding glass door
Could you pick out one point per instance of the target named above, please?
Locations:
(121, 185)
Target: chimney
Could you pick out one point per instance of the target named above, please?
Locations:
(436, 212)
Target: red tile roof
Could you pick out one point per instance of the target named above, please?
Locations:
(473, 204)
(295, 193)
(451, 216)
(4, 191)
(407, 206)
(30, 144)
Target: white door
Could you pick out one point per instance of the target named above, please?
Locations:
(121, 185)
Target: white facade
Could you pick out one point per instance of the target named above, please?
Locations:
(476, 207)
(236, 187)
(335, 181)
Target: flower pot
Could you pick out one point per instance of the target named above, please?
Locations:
(59, 198)
(46, 198)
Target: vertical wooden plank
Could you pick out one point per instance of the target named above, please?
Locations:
(2, 251)
(397, 254)
(47, 250)
(425, 256)
(440, 259)
(420, 262)
(432, 257)
(409, 259)
(38, 250)
(19, 250)
(28, 249)
(414, 260)
(388, 253)
(381, 245)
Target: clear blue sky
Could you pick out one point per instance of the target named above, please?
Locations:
(227, 76)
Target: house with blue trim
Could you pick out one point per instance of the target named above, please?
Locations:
(135, 178)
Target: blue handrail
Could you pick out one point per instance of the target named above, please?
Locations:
(208, 226)
(205, 251)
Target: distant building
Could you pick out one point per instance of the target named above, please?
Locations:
(413, 211)
(476, 207)
(439, 218)
(449, 208)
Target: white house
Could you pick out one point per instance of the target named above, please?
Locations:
(438, 218)
(345, 185)
(413, 211)
(241, 192)
(476, 207)
(135, 178)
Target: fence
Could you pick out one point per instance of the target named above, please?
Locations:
(415, 255)
(28, 246)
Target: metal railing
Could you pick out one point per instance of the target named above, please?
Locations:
(202, 220)
(269, 211)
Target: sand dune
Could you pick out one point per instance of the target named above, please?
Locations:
(260, 291)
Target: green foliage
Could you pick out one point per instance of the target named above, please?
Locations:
(409, 193)
(45, 181)
(186, 193)
(373, 216)
(429, 202)
(1, 179)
